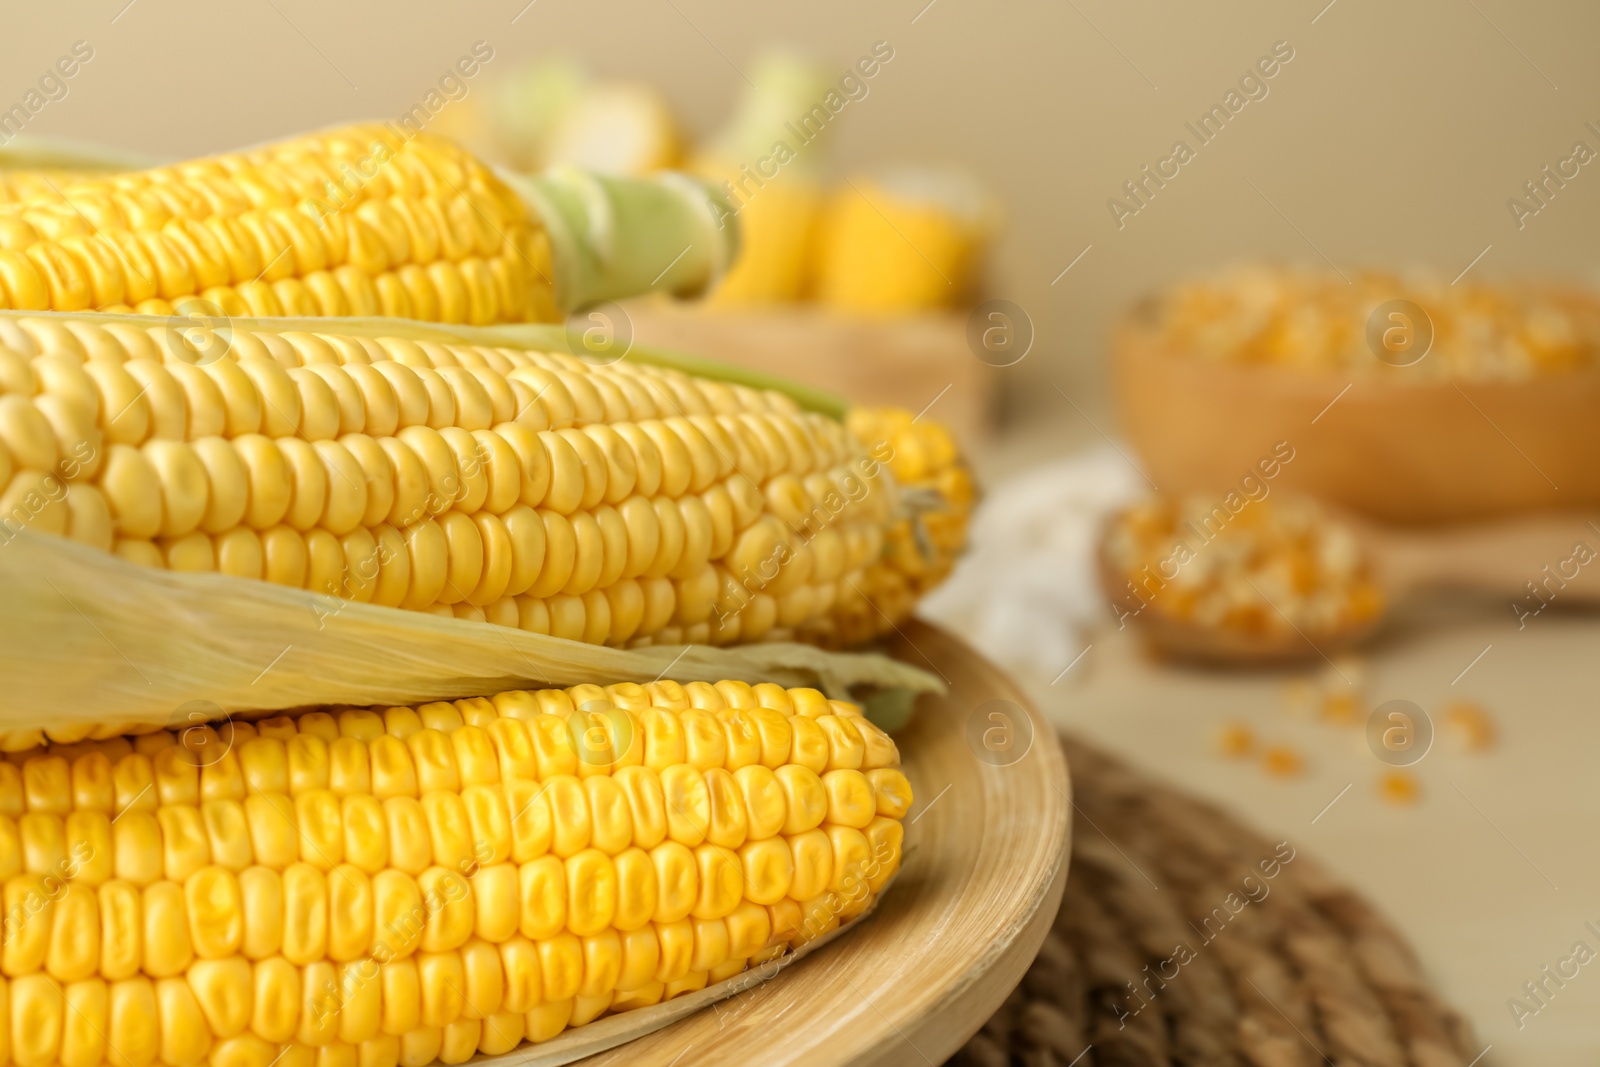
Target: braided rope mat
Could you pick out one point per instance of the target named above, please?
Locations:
(1185, 938)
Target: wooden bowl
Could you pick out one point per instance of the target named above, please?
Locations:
(985, 865)
(1394, 446)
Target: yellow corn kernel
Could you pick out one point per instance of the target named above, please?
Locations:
(851, 799)
(846, 750)
(720, 880)
(185, 1037)
(561, 966)
(224, 989)
(885, 841)
(892, 792)
(812, 854)
(1470, 724)
(809, 746)
(1399, 787)
(275, 999)
(1283, 761)
(519, 962)
(647, 806)
(602, 964)
(548, 1019)
(768, 870)
(1236, 740)
(689, 983)
(133, 1035)
(121, 930)
(167, 946)
(274, 836)
(806, 796)
(676, 940)
(74, 951)
(749, 929)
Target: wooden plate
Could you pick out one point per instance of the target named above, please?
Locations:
(985, 866)
(1394, 446)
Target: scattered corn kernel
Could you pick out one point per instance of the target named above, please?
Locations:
(1399, 787)
(1282, 761)
(1236, 740)
(1471, 725)
(1342, 707)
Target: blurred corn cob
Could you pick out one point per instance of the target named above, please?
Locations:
(474, 474)
(398, 885)
(777, 235)
(36, 168)
(776, 195)
(552, 114)
(909, 241)
(360, 221)
(1312, 318)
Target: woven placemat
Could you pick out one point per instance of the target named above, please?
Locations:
(1185, 938)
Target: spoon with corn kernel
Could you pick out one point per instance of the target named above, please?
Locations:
(1287, 580)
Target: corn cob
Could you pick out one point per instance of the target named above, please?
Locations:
(777, 233)
(910, 241)
(360, 221)
(624, 504)
(1316, 320)
(402, 885)
(770, 172)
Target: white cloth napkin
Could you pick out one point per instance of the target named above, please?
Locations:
(1026, 587)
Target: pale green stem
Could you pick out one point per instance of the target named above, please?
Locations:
(617, 237)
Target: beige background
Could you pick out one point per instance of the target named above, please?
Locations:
(1396, 134)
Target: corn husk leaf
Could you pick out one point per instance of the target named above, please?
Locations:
(89, 637)
(31, 152)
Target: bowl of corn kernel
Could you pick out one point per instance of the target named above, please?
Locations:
(1399, 395)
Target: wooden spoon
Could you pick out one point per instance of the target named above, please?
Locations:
(1533, 562)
